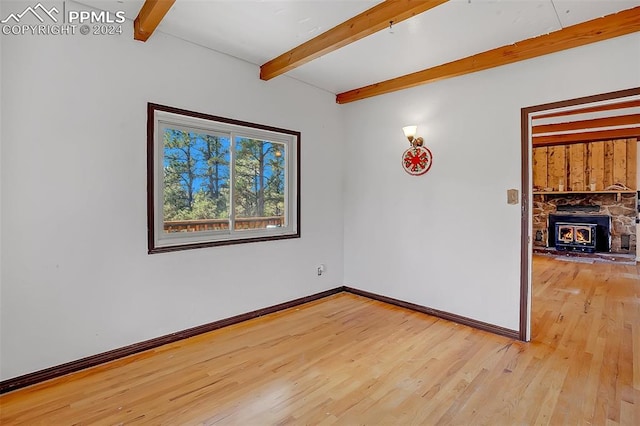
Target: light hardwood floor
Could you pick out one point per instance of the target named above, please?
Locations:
(349, 360)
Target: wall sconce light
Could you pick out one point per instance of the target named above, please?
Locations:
(416, 160)
(410, 133)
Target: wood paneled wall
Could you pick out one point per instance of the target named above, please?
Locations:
(603, 163)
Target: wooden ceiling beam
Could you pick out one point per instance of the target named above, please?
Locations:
(368, 22)
(571, 138)
(610, 26)
(620, 120)
(149, 17)
(598, 108)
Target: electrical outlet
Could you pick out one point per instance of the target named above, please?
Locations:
(321, 269)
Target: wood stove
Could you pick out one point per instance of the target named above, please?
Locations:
(600, 226)
(576, 236)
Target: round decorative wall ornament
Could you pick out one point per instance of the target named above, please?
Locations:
(417, 160)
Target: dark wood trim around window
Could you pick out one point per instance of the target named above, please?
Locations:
(151, 108)
(526, 189)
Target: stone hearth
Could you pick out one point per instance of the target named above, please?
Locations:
(621, 208)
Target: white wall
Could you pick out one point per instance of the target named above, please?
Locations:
(448, 240)
(76, 277)
(1, 180)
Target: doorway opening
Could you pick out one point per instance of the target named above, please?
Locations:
(565, 128)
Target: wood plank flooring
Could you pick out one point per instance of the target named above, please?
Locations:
(349, 360)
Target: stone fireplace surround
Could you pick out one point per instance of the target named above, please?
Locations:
(621, 208)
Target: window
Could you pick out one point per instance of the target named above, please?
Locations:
(214, 181)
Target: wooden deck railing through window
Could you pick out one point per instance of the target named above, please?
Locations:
(222, 224)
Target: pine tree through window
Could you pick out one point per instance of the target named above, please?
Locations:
(206, 190)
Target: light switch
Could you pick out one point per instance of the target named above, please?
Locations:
(512, 196)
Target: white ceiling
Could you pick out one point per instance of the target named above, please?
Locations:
(259, 30)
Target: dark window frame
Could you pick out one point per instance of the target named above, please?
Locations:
(152, 186)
